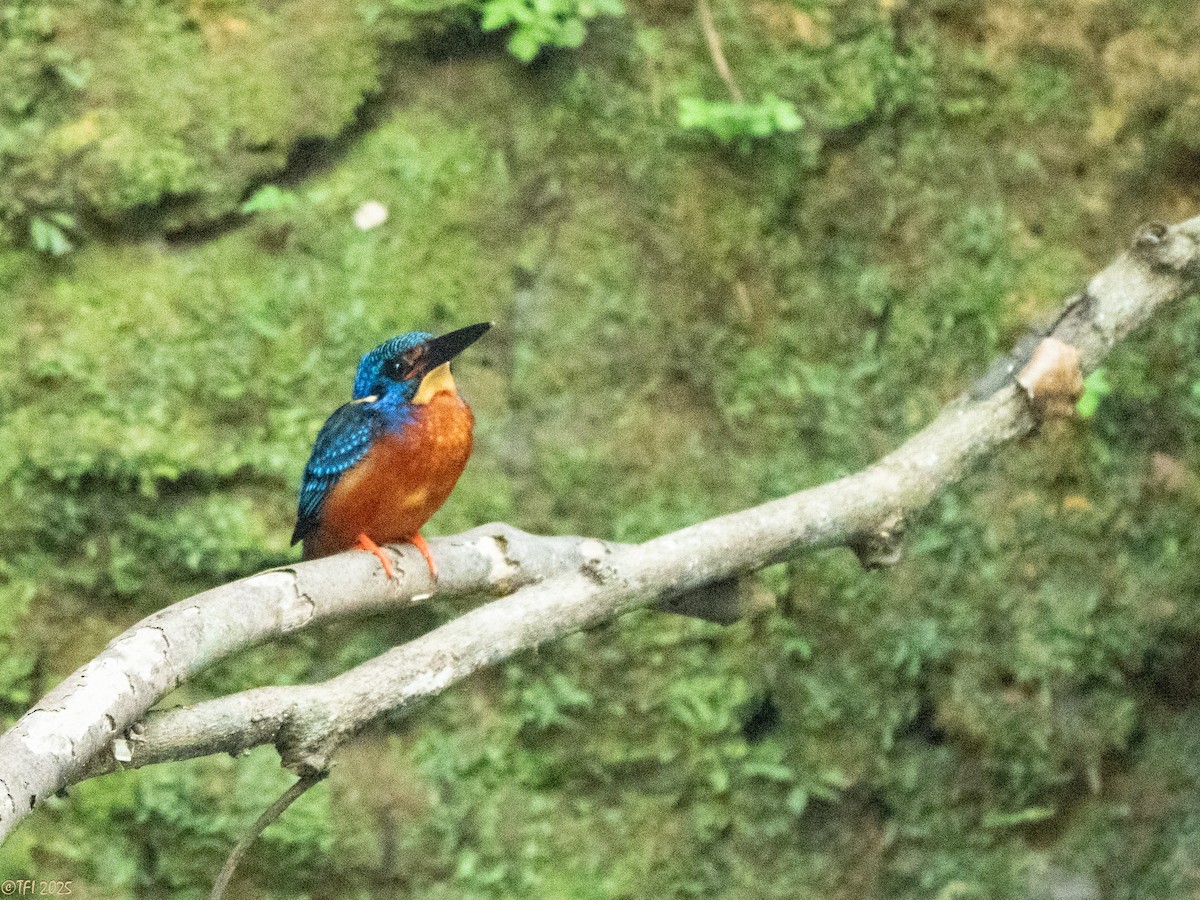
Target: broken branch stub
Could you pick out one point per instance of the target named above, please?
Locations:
(1053, 379)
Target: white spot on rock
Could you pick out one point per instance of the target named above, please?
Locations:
(370, 215)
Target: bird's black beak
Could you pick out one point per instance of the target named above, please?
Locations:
(442, 349)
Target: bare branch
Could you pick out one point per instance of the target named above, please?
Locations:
(714, 49)
(270, 814)
(50, 745)
(69, 735)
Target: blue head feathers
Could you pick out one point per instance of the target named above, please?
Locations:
(393, 371)
(382, 371)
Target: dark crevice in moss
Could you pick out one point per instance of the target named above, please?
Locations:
(762, 721)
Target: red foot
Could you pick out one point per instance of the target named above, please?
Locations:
(365, 543)
(419, 542)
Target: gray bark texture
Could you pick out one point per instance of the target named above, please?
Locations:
(549, 586)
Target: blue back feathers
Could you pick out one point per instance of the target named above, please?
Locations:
(343, 441)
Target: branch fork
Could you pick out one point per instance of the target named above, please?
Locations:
(549, 586)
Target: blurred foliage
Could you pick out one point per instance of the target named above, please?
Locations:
(1010, 712)
(537, 24)
(740, 122)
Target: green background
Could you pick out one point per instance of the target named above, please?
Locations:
(689, 321)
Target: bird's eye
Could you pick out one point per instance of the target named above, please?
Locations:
(404, 366)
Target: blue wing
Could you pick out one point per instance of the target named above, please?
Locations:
(344, 439)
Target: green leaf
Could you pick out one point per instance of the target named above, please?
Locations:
(496, 15)
(797, 801)
(693, 112)
(996, 819)
(739, 121)
(770, 771)
(542, 23)
(270, 198)
(524, 45)
(49, 238)
(1095, 388)
(571, 34)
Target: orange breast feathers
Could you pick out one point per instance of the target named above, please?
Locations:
(402, 481)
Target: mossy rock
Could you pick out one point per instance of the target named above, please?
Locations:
(148, 115)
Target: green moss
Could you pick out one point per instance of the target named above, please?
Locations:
(172, 112)
(180, 403)
(681, 331)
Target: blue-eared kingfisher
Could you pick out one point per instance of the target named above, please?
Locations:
(387, 460)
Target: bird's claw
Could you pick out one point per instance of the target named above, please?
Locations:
(423, 548)
(365, 543)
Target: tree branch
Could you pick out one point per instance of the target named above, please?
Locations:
(714, 49)
(96, 705)
(270, 814)
(69, 735)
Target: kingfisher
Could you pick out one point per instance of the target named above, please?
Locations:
(387, 460)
